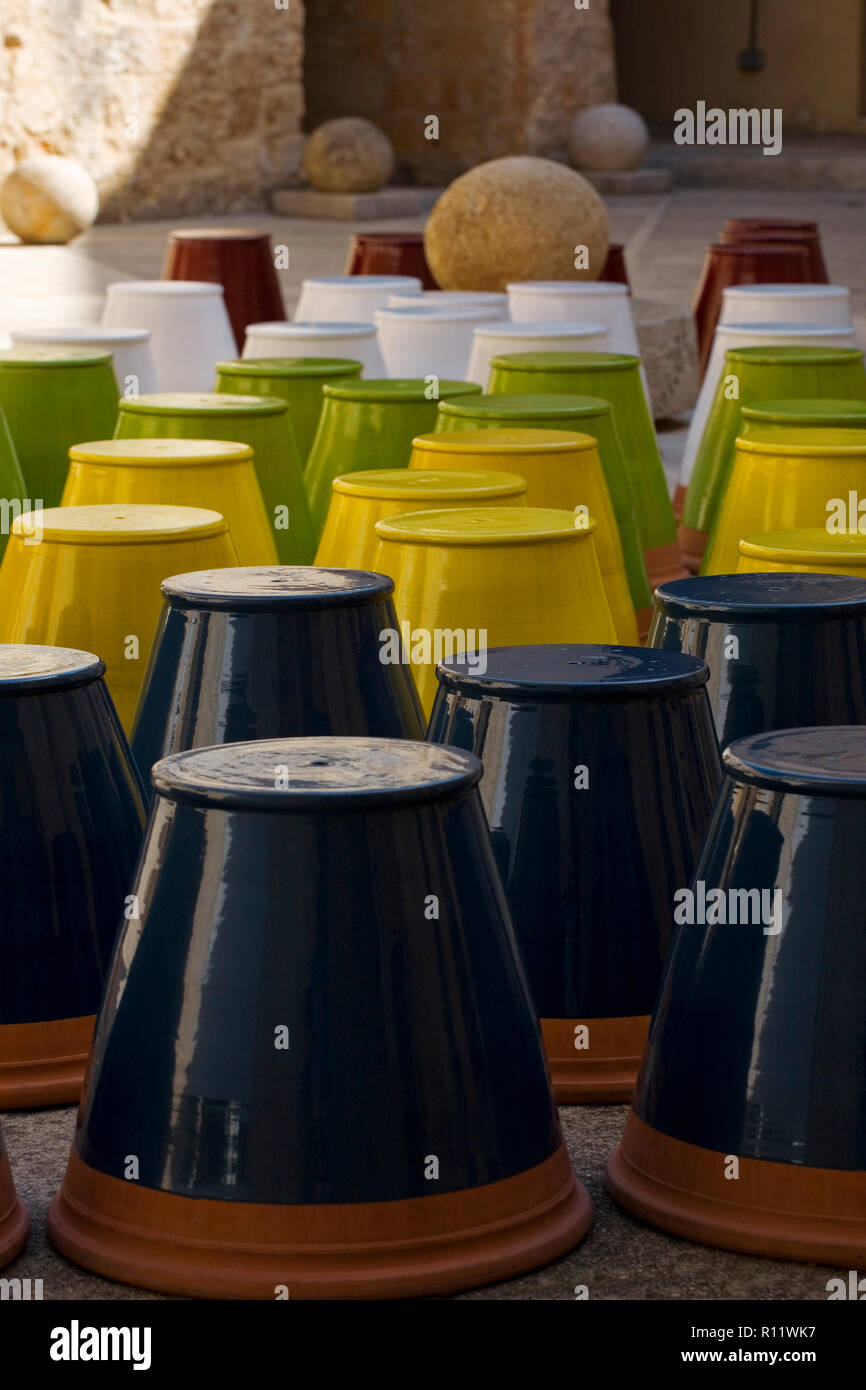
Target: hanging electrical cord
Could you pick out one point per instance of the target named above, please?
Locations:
(752, 59)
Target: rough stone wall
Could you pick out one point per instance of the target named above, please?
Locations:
(503, 76)
(174, 106)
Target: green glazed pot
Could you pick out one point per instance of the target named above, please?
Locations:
(263, 423)
(53, 398)
(297, 380)
(751, 375)
(370, 424)
(614, 376)
(12, 485)
(587, 415)
(803, 414)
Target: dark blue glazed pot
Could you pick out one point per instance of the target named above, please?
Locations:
(272, 652)
(784, 650)
(71, 823)
(318, 1042)
(14, 1216)
(748, 1128)
(600, 771)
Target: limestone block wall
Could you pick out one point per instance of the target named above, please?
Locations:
(174, 106)
(502, 76)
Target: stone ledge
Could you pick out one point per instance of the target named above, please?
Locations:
(354, 207)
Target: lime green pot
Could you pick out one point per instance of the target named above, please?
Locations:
(804, 414)
(615, 377)
(586, 415)
(297, 380)
(53, 398)
(751, 375)
(370, 424)
(12, 485)
(263, 423)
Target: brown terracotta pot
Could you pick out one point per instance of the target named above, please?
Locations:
(614, 268)
(756, 229)
(14, 1217)
(743, 263)
(239, 259)
(390, 253)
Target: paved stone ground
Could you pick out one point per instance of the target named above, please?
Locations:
(665, 239)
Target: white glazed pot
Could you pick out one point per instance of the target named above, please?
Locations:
(189, 327)
(493, 340)
(359, 341)
(430, 342)
(349, 298)
(130, 350)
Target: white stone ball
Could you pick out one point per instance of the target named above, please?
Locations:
(48, 199)
(608, 137)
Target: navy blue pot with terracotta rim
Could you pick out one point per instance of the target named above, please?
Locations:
(272, 652)
(600, 771)
(14, 1216)
(318, 1041)
(71, 824)
(748, 1127)
(784, 650)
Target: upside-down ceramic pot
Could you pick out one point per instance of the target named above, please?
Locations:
(743, 263)
(371, 423)
(747, 1128)
(361, 499)
(52, 398)
(296, 380)
(14, 1216)
(209, 473)
(563, 470)
(354, 342)
(783, 479)
(390, 253)
(272, 652)
(71, 823)
(131, 355)
(600, 771)
(263, 423)
(470, 580)
(740, 335)
(751, 375)
(363, 963)
(783, 649)
(615, 378)
(240, 259)
(785, 229)
(89, 577)
(584, 414)
(804, 552)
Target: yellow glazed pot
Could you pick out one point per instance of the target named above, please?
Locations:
(803, 552)
(211, 473)
(562, 469)
(359, 500)
(89, 577)
(785, 480)
(484, 577)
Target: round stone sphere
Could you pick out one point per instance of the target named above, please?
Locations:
(48, 199)
(608, 137)
(348, 155)
(518, 218)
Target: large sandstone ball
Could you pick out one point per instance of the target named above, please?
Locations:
(518, 218)
(608, 137)
(348, 155)
(48, 199)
